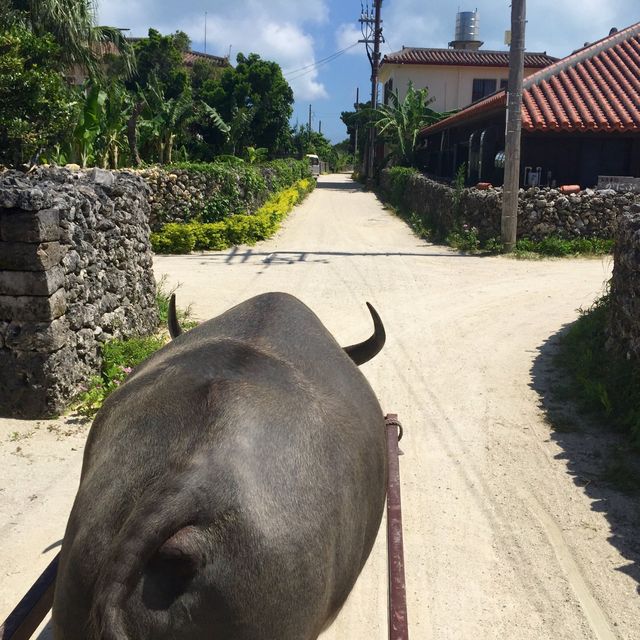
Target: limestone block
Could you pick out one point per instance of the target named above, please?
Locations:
(27, 256)
(39, 226)
(31, 283)
(33, 308)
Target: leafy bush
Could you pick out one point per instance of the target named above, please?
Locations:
(233, 230)
(119, 357)
(399, 177)
(241, 188)
(466, 239)
(175, 237)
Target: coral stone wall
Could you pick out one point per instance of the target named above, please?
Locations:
(541, 211)
(624, 321)
(75, 271)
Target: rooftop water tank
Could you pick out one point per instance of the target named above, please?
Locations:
(467, 26)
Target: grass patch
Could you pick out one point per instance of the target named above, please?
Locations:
(120, 357)
(554, 246)
(606, 385)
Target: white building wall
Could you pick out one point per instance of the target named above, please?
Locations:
(452, 87)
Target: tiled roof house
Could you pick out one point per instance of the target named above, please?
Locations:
(580, 119)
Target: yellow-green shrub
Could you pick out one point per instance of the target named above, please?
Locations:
(239, 229)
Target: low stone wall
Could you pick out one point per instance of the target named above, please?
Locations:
(214, 190)
(624, 320)
(180, 195)
(541, 211)
(75, 271)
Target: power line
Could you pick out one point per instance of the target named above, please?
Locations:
(310, 68)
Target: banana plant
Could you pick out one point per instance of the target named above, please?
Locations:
(254, 156)
(88, 127)
(165, 118)
(400, 121)
(116, 110)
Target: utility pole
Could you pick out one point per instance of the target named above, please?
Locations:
(205, 32)
(514, 127)
(320, 127)
(367, 19)
(355, 147)
(309, 124)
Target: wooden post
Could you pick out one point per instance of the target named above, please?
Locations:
(514, 127)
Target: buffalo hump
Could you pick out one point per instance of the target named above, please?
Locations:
(231, 488)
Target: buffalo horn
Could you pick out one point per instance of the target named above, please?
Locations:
(172, 318)
(364, 351)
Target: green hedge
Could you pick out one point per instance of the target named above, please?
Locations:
(238, 229)
(237, 187)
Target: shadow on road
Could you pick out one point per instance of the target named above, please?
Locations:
(588, 450)
(351, 186)
(249, 256)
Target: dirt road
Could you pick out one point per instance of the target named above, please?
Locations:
(506, 533)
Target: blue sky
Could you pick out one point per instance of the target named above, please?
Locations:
(298, 34)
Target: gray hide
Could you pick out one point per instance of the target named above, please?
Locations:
(232, 487)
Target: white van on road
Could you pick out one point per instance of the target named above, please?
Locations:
(314, 163)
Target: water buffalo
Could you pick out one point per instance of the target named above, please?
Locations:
(232, 487)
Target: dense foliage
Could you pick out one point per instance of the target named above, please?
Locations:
(71, 25)
(140, 102)
(255, 100)
(36, 107)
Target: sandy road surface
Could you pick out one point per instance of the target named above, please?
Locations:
(508, 531)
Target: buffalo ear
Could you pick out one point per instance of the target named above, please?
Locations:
(364, 351)
(172, 568)
(172, 318)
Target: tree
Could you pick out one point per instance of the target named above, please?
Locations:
(255, 93)
(71, 24)
(36, 108)
(160, 59)
(400, 122)
(305, 141)
(358, 123)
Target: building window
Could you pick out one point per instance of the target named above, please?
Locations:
(388, 88)
(482, 88)
(503, 84)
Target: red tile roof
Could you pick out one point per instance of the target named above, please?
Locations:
(463, 57)
(189, 57)
(594, 89)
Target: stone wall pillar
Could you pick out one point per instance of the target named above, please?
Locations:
(624, 321)
(75, 272)
(32, 307)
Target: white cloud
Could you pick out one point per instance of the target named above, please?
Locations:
(557, 26)
(346, 35)
(276, 30)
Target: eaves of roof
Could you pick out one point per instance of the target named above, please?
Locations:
(462, 58)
